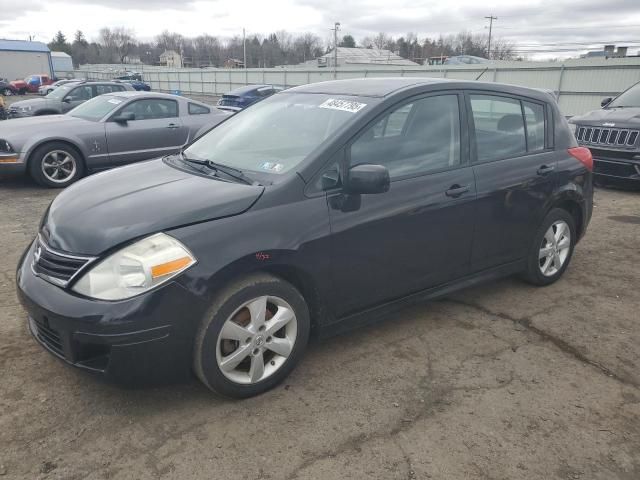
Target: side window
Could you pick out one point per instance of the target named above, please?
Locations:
(150, 109)
(195, 109)
(102, 89)
(534, 117)
(80, 93)
(416, 138)
(499, 127)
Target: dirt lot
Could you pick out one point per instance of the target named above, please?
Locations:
(505, 381)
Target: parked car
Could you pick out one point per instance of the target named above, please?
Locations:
(317, 209)
(612, 134)
(64, 98)
(31, 84)
(244, 96)
(7, 89)
(138, 85)
(109, 130)
(47, 89)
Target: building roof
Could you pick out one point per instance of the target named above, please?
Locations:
(23, 46)
(60, 54)
(169, 53)
(369, 56)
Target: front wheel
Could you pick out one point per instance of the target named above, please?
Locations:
(56, 164)
(7, 92)
(552, 248)
(255, 334)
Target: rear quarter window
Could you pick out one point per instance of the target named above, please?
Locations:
(195, 109)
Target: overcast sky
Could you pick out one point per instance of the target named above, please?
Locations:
(553, 24)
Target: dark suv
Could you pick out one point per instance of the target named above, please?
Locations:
(613, 136)
(318, 208)
(64, 98)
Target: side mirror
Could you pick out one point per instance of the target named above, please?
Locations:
(368, 179)
(124, 117)
(605, 101)
(67, 99)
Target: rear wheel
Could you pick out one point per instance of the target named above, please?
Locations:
(254, 336)
(56, 164)
(552, 248)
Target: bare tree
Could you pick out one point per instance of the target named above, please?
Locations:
(117, 42)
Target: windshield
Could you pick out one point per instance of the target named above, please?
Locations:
(278, 133)
(59, 92)
(96, 108)
(630, 98)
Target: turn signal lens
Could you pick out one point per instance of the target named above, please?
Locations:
(170, 267)
(584, 155)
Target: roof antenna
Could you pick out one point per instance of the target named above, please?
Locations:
(482, 73)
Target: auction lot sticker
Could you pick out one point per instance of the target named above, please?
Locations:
(344, 105)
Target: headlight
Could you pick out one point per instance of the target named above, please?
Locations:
(136, 269)
(25, 109)
(5, 147)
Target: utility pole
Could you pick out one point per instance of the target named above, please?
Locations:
(335, 29)
(491, 18)
(244, 48)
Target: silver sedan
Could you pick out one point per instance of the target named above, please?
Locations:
(104, 132)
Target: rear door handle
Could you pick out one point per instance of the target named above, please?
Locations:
(173, 125)
(545, 169)
(456, 190)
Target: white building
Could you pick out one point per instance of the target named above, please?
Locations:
(19, 58)
(171, 58)
(360, 56)
(62, 63)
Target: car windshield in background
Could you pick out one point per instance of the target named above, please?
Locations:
(630, 98)
(96, 108)
(278, 133)
(59, 92)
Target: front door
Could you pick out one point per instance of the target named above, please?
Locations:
(418, 234)
(515, 174)
(76, 97)
(156, 130)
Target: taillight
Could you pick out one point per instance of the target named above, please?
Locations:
(584, 155)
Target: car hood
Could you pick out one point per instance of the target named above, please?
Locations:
(18, 130)
(33, 102)
(620, 117)
(110, 208)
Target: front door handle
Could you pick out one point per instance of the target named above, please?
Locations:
(545, 169)
(456, 190)
(173, 125)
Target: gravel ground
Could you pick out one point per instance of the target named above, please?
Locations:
(504, 381)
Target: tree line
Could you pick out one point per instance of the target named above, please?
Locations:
(119, 45)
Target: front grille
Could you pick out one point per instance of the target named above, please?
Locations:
(615, 137)
(47, 335)
(55, 266)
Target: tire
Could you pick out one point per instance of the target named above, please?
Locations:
(545, 270)
(48, 153)
(7, 92)
(213, 348)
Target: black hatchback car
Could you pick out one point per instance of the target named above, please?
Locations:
(314, 210)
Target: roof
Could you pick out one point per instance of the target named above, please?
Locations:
(60, 55)
(246, 89)
(369, 55)
(168, 53)
(367, 87)
(23, 46)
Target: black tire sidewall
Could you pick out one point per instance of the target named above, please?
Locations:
(534, 275)
(35, 164)
(205, 362)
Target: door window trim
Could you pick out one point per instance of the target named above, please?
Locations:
(118, 110)
(473, 150)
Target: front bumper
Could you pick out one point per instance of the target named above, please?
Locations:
(616, 169)
(12, 164)
(145, 339)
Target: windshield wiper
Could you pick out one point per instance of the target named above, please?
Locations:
(216, 167)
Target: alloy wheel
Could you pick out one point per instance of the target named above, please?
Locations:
(256, 340)
(7, 92)
(555, 248)
(59, 166)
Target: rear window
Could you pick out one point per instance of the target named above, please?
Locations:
(195, 109)
(506, 127)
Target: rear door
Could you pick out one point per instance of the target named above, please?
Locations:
(418, 234)
(515, 167)
(156, 131)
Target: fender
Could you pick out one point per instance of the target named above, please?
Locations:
(33, 143)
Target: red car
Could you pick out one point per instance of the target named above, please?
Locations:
(31, 83)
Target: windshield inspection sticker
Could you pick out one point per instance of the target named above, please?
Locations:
(272, 167)
(344, 105)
